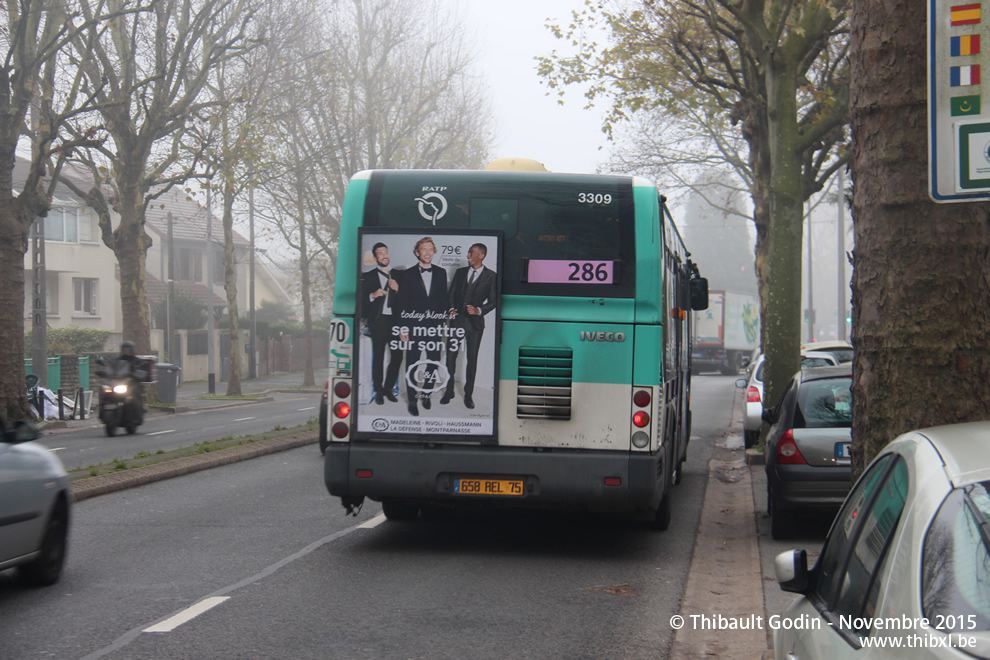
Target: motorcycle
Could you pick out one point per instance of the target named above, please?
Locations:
(121, 404)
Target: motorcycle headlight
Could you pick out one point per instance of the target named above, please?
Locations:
(120, 389)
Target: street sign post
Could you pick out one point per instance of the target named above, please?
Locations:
(958, 113)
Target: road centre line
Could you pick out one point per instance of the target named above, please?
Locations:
(161, 432)
(188, 614)
(310, 408)
(243, 419)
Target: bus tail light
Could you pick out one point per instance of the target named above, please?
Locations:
(787, 451)
(340, 394)
(642, 415)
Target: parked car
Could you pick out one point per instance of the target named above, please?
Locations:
(753, 383)
(807, 448)
(840, 348)
(35, 505)
(323, 438)
(911, 542)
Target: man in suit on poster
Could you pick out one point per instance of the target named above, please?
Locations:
(380, 289)
(473, 293)
(422, 304)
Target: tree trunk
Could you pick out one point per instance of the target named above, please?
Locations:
(309, 377)
(784, 244)
(13, 246)
(230, 286)
(921, 279)
(131, 245)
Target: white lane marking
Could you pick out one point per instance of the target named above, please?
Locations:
(243, 419)
(161, 432)
(374, 522)
(310, 408)
(55, 449)
(173, 622)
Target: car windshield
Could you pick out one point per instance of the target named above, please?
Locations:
(807, 362)
(824, 403)
(956, 567)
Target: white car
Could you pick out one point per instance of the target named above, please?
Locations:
(35, 505)
(840, 348)
(905, 569)
(753, 383)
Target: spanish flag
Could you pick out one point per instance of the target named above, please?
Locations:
(964, 14)
(967, 44)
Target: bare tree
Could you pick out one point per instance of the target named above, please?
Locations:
(33, 37)
(380, 84)
(148, 72)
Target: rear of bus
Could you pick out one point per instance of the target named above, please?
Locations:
(579, 390)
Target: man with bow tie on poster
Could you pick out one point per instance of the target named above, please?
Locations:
(422, 305)
(380, 290)
(472, 295)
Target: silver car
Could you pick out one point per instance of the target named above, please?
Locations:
(905, 569)
(35, 505)
(753, 384)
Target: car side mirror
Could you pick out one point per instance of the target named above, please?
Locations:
(741, 383)
(791, 570)
(699, 293)
(767, 415)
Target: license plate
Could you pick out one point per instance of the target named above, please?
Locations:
(497, 487)
(842, 450)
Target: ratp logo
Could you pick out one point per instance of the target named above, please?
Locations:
(432, 206)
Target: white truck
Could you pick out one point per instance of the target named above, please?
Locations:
(726, 333)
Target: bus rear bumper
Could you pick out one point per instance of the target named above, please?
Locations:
(557, 479)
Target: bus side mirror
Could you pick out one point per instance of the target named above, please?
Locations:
(699, 293)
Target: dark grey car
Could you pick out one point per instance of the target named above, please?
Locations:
(807, 449)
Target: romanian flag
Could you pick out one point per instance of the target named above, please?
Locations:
(964, 105)
(967, 44)
(961, 76)
(964, 14)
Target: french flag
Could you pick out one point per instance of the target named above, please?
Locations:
(961, 76)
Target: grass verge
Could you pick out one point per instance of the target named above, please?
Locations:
(144, 458)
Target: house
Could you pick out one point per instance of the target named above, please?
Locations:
(82, 286)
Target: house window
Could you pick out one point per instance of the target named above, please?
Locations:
(69, 225)
(84, 291)
(190, 265)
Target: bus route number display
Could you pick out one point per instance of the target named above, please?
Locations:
(566, 271)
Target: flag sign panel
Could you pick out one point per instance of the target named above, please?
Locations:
(958, 122)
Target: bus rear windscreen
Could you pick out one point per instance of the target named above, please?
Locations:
(564, 235)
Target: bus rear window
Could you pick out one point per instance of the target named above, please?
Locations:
(564, 235)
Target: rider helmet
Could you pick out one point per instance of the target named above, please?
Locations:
(127, 348)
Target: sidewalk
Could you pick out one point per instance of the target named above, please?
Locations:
(192, 396)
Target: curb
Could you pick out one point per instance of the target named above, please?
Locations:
(104, 484)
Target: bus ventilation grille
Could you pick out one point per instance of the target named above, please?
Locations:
(544, 383)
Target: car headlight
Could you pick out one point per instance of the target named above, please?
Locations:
(120, 389)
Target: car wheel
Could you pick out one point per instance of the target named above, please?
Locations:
(47, 568)
(399, 510)
(750, 438)
(781, 520)
(131, 430)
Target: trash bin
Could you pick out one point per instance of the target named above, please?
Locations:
(168, 381)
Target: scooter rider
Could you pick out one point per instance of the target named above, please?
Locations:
(138, 366)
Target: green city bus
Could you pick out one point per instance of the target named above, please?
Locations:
(509, 338)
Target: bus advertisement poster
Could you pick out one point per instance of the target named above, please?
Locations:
(427, 352)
